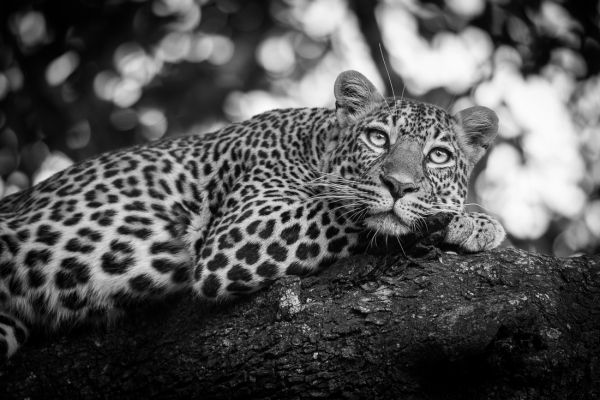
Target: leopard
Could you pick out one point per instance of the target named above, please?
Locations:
(226, 213)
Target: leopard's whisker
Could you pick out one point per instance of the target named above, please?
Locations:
(352, 212)
(400, 244)
(373, 238)
(390, 80)
(359, 214)
(334, 177)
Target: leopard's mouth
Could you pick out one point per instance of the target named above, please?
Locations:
(388, 223)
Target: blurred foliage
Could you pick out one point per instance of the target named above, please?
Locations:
(79, 77)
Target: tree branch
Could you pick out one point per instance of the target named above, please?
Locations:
(496, 325)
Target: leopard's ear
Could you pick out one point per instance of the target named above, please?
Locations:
(476, 129)
(355, 96)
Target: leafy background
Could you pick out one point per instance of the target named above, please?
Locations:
(80, 77)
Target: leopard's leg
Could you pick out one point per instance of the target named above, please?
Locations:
(259, 240)
(474, 232)
(13, 333)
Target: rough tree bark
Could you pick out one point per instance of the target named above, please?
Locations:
(505, 324)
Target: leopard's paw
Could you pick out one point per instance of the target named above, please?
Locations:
(474, 232)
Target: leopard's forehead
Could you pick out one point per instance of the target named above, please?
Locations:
(411, 119)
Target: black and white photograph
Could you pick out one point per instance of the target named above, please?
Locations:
(300, 199)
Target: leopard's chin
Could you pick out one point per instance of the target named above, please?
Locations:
(387, 223)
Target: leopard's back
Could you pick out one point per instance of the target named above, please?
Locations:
(81, 242)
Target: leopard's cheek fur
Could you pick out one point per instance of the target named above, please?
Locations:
(354, 173)
(349, 160)
(446, 190)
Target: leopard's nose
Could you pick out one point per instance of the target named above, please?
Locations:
(398, 189)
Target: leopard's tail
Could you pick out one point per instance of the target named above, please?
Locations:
(13, 333)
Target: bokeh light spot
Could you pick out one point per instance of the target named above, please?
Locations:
(127, 92)
(15, 182)
(60, 68)
(79, 135)
(223, 50)
(164, 8)
(276, 54)
(466, 8)
(319, 18)
(30, 28)
(592, 217)
(53, 163)
(105, 84)
(153, 123)
(201, 47)
(132, 62)
(174, 47)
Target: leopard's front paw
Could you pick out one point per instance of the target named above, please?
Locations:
(474, 232)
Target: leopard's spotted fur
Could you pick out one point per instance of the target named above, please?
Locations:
(286, 192)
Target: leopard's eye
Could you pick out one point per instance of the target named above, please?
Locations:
(377, 138)
(439, 155)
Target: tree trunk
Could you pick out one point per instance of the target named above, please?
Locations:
(505, 324)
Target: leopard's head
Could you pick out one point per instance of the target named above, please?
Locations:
(396, 162)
